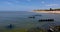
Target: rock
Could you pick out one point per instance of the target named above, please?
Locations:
(54, 29)
(57, 28)
(10, 26)
(49, 31)
(45, 20)
(38, 15)
(32, 17)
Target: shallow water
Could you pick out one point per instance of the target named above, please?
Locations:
(21, 20)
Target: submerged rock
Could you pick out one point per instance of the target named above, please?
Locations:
(10, 26)
(43, 20)
(32, 17)
(38, 15)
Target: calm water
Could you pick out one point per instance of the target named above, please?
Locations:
(20, 19)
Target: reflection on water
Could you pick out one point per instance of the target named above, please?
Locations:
(21, 20)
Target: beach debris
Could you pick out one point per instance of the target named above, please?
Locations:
(42, 20)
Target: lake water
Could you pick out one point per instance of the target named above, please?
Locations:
(20, 19)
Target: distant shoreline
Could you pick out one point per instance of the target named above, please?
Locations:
(46, 11)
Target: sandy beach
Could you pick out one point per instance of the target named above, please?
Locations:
(47, 11)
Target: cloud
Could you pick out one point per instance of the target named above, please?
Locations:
(52, 5)
(28, 0)
(42, 2)
(17, 2)
(9, 3)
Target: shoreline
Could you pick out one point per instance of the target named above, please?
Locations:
(46, 11)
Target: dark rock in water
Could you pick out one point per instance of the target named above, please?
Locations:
(42, 20)
(32, 17)
(10, 26)
(38, 15)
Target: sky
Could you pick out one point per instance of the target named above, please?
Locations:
(28, 5)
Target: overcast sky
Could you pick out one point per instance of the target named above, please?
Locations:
(19, 5)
